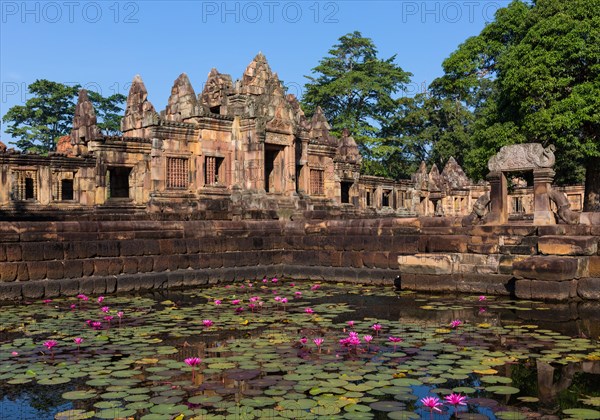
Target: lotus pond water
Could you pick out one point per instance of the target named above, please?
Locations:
(279, 349)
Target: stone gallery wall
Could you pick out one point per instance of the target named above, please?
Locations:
(47, 259)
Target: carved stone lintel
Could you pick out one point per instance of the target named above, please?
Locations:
(522, 157)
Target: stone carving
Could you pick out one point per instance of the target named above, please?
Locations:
(215, 90)
(563, 207)
(64, 146)
(478, 212)
(281, 122)
(85, 126)
(139, 111)
(348, 149)
(522, 157)
(182, 102)
(2, 147)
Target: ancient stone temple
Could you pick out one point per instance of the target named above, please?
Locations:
(237, 150)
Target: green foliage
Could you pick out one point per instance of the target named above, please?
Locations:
(44, 118)
(48, 115)
(357, 90)
(532, 75)
(108, 110)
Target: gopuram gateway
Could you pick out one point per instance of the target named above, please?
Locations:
(238, 150)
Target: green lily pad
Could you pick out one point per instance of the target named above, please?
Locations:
(582, 413)
(79, 395)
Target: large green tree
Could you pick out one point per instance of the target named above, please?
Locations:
(358, 90)
(533, 75)
(48, 115)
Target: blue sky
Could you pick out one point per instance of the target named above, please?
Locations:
(103, 44)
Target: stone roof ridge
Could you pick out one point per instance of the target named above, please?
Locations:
(256, 75)
(139, 111)
(85, 124)
(182, 102)
(454, 176)
(348, 149)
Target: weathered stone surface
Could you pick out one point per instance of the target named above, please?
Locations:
(10, 291)
(447, 243)
(477, 263)
(549, 268)
(85, 126)
(546, 290)
(589, 288)
(139, 112)
(182, 102)
(33, 289)
(69, 287)
(568, 245)
(429, 282)
(425, 264)
(8, 271)
(55, 270)
(13, 252)
(522, 157)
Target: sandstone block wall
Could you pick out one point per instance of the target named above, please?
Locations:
(46, 259)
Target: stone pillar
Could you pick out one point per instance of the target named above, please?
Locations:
(542, 180)
(498, 214)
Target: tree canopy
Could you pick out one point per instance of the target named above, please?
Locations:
(357, 90)
(533, 75)
(48, 115)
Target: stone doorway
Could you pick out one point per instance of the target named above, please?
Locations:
(118, 178)
(273, 168)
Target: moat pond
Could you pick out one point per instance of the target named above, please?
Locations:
(278, 349)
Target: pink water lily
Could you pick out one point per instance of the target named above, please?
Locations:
(217, 302)
(315, 287)
(100, 299)
(78, 341)
(46, 301)
(376, 328)
(395, 340)
(318, 342)
(351, 324)
(235, 301)
(292, 284)
(351, 341)
(304, 340)
(105, 309)
(368, 339)
(482, 310)
(73, 306)
(97, 325)
(297, 294)
(432, 403)
(14, 353)
(482, 298)
(456, 400)
(277, 298)
(456, 323)
(83, 297)
(309, 311)
(274, 280)
(50, 344)
(193, 362)
(207, 323)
